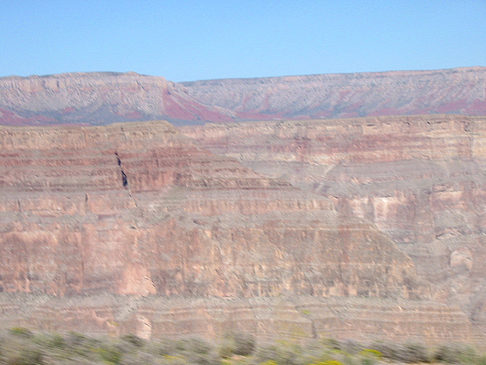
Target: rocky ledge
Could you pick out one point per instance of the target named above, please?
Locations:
(122, 228)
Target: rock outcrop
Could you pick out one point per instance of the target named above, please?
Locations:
(101, 98)
(419, 179)
(458, 91)
(132, 228)
(268, 318)
(98, 98)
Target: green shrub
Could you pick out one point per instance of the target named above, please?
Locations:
(456, 354)
(388, 350)
(109, 354)
(165, 347)
(196, 351)
(269, 362)
(76, 339)
(266, 353)
(348, 359)
(282, 355)
(415, 352)
(196, 345)
(57, 341)
(54, 341)
(134, 340)
(332, 344)
(226, 349)
(19, 346)
(174, 360)
(409, 352)
(368, 361)
(468, 355)
(27, 356)
(242, 344)
(351, 347)
(21, 332)
(481, 360)
(371, 353)
(370, 356)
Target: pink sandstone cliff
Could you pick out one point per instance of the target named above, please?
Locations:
(419, 179)
(133, 228)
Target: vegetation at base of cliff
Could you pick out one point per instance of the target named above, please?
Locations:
(20, 346)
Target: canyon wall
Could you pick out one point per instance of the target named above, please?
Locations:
(300, 228)
(419, 179)
(134, 228)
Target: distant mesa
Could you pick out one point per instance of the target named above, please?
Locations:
(101, 98)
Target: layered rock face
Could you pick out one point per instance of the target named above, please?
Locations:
(132, 228)
(419, 179)
(98, 98)
(348, 95)
(101, 98)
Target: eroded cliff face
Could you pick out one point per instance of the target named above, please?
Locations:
(136, 209)
(421, 180)
(101, 98)
(101, 225)
(458, 91)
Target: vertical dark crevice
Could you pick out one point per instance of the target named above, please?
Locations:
(118, 159)
(124, 178)
(123, 175)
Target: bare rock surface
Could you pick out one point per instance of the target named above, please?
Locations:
(98, 98)
(460, 91)
(133, 228)
(268, 318)
(419, 179)
(101, 98)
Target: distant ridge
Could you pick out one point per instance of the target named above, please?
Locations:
(455, 69)
(104, 97)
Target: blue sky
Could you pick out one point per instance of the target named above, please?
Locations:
(193, 40)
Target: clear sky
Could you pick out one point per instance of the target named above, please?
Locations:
(193, 40)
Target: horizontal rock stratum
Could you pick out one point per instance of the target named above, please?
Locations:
(460, 90)
(134, 228)
(101, 98)
(419, 179)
